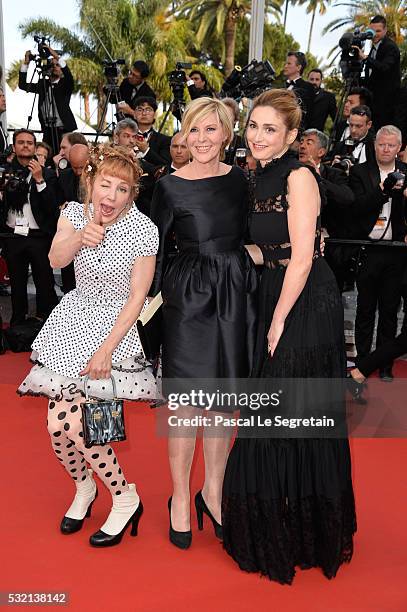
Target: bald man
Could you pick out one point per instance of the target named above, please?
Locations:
(68, 191)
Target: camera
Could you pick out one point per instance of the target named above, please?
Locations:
(394, 180)
(345, 163)
(111, 70)
(44, 59)
(249, 81)
(349, 63)
(177, 80)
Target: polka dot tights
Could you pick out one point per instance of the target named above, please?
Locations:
(65, 429)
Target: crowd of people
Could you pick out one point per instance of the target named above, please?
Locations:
(149, 213)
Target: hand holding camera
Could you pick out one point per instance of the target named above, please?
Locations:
(394, 180)
(36, 170)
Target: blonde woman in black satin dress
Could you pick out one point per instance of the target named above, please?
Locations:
(209, 291)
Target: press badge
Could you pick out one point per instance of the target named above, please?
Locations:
(381, 222)
(21, 227)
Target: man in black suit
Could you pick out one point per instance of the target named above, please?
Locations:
(324, 102)
(378, 214)
(339, 196)
(361, 142)
(382, 71)
(152, 146)
(294, 67)
(69, 190)
(134, 86)
(29, 216)
(54, 112)
(3, 133)
(358, 96)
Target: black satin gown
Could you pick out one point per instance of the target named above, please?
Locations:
(209, 287)
(289, 502)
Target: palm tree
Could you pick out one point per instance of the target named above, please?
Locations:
(360, 14)
(127, 29)
(312, 7)
(218, 19)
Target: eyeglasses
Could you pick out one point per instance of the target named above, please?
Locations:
(144, 109)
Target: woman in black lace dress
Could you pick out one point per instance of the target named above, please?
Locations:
(288, 501)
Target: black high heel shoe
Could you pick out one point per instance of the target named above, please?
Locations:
(356, 389)
(102, 539)
(71, 525)
(181, 539)
(202, 508)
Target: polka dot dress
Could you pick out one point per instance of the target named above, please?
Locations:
(85, 316)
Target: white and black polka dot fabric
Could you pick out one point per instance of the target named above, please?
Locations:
(85, 316)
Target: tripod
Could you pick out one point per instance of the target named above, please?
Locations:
(49, 112)
(177, 107)
(112, 92)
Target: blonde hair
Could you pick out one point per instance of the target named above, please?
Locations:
(115, 161)
(200, 108)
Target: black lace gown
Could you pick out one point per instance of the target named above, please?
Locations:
(209, 287)
(289, 502)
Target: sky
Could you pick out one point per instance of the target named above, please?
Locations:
(297, 24)
(65, 12)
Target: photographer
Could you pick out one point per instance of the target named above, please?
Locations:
(61, 160)
(378, 214)
(358, 96)
(339, 197)
(3, 133)
(134, 86)
(198, 85)
(294, 67)
(28, 214)
(359, 148)
(54, 96)
(382, 73)
(150, 145)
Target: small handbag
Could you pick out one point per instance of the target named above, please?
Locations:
(102, 420)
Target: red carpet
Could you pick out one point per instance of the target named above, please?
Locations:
(147, 572)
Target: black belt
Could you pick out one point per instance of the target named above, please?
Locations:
(210, 247)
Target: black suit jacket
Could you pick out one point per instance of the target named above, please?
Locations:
(3, 139)
(305, 92)
(159, 151)
(129, 94)
(62, 95)
(369, 199)
(43, 204)
(67, 186)
(324, 106)
(339, 197)
(384, 80)
(341, 148)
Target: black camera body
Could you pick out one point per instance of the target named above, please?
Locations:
(13, 185)
(249, 81)
(349, 63)
(177, 80)
(345, 163)
(43, 60)
(111, 70)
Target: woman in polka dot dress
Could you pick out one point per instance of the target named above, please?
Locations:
(92, 332)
